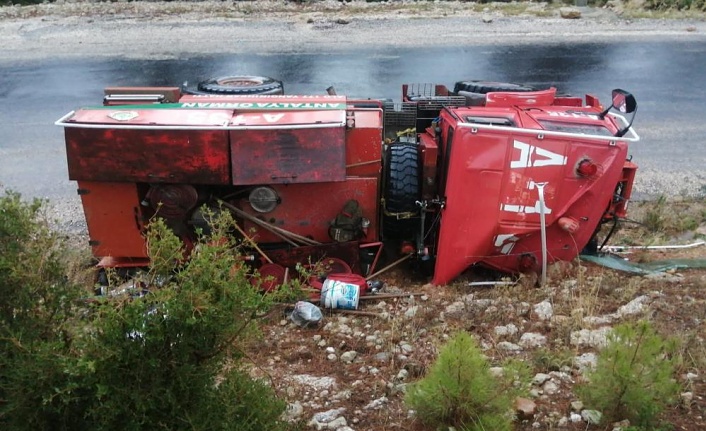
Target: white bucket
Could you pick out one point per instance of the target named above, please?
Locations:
(339, 294)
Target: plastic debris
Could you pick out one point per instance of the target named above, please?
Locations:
(306, 315)
(620, 264)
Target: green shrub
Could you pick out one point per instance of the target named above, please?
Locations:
(634, 376)
(460, 390)
(36, 314)
(171, 359)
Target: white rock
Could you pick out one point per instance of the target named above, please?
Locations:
(586, 361)
(376, 404)
(636, 306)
(487, 19)
(332, 357)
(411, 312)
(687, 398)
(402, 375)
(330, 350)
(563, 422)
(322, 419)
(317, 383)
(540, 378)
(349, 357)
(343, 395)
(337, 423)
(509, 329)
(382, 357)
(550, 388)
(575, 418)
(593, 417)
(544, 310)
(565, 377)
(690, 377)
(509, 347)
(406, 348)
(294, 411)
(455, 308)
(599, 320)
(590, 337)
(481, 304)
(344, 329)
(576, 406)
(531, 340)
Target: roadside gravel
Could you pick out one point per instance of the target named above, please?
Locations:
(172, 29)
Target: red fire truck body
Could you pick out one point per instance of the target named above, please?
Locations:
(511, 180)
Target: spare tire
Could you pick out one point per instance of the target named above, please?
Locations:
(484, 87)
(241, 85)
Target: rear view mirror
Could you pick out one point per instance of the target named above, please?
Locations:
(625, 103)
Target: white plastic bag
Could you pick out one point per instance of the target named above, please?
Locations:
(306, 314)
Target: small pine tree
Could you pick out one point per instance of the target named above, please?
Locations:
(634, 376)
(460, 390)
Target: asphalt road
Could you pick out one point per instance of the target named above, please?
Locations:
(666, 77)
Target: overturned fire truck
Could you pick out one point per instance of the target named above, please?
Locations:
(500, 175)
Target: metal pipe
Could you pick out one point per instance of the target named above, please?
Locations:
(393, 264)
(543, 228)
(268, 226)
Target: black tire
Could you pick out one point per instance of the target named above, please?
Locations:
(401, 191)
(484, 87)
(402, 178)
(244, 85)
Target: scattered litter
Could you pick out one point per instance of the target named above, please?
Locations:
(306, 314)
(342, 291)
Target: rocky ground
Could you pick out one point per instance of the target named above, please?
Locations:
(350, 372)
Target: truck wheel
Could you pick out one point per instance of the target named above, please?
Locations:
(484, 87)
(401, 190)
(241, 85)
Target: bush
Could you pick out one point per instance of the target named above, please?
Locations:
(171, 359)
(666, 5)
(634, 376)
(460, 391)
